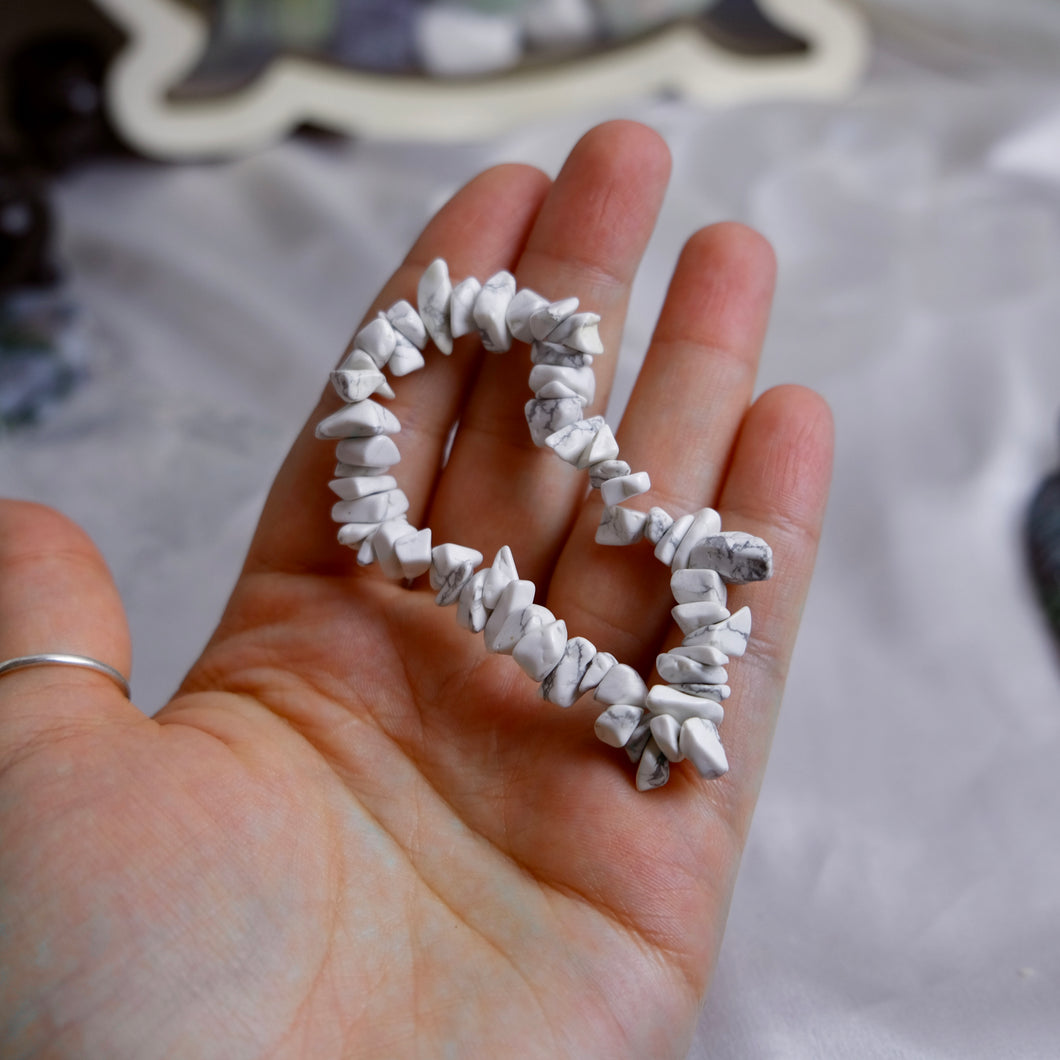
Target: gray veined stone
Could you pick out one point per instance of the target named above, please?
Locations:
(730, 636)
(545, 417)
(616, 490)
(445, 558)
(553, 353)
(663, 699)
(462, 307)
(698, 583)
(680, 669)
(620, 526)
(406, 321)
(491, 308)
(432, 296)
(599, 473)
(517, 316)
(579, 332)
(570, 443)
(659, 521)
(618, 723)
(666, 731)
(375, 508)
(358, 421)
(357, 486)
(355, 385)
(376, 339)
(514, 598)
(719, 693)
(546, 319)
(654, 768)
(602, 662)
(698, 614)
(702, 653)
(378, 451)
(621, 684)
(539, 650)
(498, 576)
(471, 612)
(405, 359)
(704, 523)
(556, 388)
(701, 745)
(639, 740)
(579, 381)
(384, 543)
(414, 554)
(453, 583)
(666, 549)
(561, 686)
(736, 556)
(517, 626)
(603, 451)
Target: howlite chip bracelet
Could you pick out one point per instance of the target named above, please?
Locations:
(659, 725)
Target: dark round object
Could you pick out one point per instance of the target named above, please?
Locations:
(25, 228)
(55, 89)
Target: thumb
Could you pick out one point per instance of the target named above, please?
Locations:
(56, 596)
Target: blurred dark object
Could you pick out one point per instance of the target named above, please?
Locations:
(43, 354)
(743, 27)
(25, 228)
(1043, 546)
(53, 57)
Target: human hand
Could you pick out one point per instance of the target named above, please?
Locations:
(353, 832)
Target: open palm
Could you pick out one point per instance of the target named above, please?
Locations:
(353, 832)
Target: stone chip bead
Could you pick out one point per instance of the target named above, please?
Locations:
(384, 542)
(701, 745)
(618, 723)
(446, 558)
(516, 626)
(665, 699)
(360, 420)
(432, 295)
(375, 508)
(654, 768)
(616, 490)
(545, 416)
(666, 731)
(562, 685)
(539, 650)
(514, 598)
(462, 307)
(621, 684)
(620, 526)
(378, 450)
(354, 487)
(736, 556)
(704, 523)
(377, 339)
(490, 311)
(471, 612)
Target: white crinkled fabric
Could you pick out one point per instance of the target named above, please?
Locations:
(899, 895)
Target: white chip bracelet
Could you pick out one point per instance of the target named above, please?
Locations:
(659, 725)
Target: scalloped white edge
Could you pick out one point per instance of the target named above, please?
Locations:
(168, 38)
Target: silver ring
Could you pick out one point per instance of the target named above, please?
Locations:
(53, 658)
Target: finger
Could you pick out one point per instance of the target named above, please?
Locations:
(776, 488)
(587, 241)
(481, 230)
(56, 595)
(679, 426)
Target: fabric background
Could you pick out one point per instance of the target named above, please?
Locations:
(900, 894)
